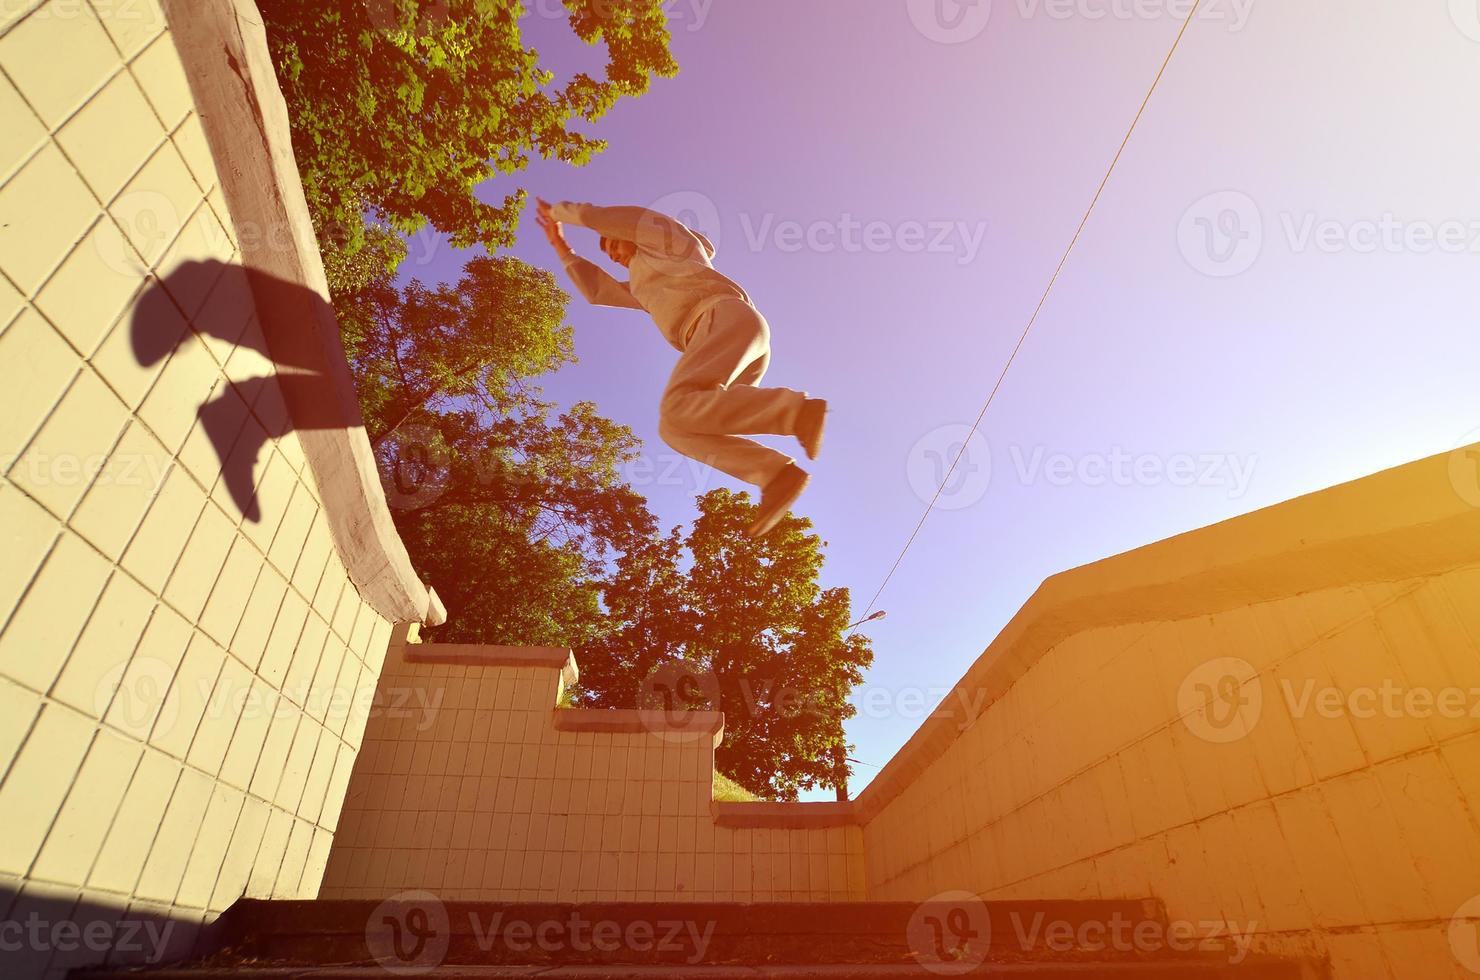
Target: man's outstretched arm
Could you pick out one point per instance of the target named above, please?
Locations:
(595, 284)
(591, 280)
(649, 229)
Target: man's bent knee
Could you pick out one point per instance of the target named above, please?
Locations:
(677, 408)
(674, 435)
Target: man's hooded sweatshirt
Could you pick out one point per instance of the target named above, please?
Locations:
(673, 276)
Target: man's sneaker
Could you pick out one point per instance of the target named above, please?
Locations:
(777, 498)
(811, 420)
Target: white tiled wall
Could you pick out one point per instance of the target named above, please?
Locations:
(167, 738)
(1337, 832)
(466, 788)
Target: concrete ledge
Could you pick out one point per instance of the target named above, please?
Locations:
(256, 929)
(673, 725)
(1406, 522)
(224, 49)
(794, 939)
(477, 655)
(785, 816)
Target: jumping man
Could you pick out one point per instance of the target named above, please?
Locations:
(712, 400)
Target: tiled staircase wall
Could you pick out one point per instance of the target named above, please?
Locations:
(1274, 722)
(1201, 721)
(474, 785)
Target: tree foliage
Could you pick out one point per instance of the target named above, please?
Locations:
(509, 508)
(401, 108)
(414, 347)
(514, 520)
(750, 618)
(506, 584)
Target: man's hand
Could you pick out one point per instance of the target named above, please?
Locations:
(552, 228)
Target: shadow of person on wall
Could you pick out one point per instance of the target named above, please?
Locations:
(295, 331)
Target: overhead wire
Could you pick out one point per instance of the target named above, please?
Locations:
(1042, 301)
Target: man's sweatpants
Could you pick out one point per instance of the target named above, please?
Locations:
(712, 400)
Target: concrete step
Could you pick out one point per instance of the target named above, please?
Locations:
(1178, 969)
(662, 933)
(418, 934)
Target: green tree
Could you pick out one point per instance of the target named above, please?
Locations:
(376, 260)
(750, 618)
(400, 109)
(509, 510)
(418, 347)
(515, 519)
(503, 583)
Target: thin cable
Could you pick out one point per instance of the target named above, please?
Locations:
(1042, 300)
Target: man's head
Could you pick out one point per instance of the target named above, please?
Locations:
(619, 251)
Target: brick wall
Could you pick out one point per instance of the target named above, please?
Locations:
(170, 734)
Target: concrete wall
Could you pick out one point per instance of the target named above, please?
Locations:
(1274, 722)
(178, 710)
(473, 785)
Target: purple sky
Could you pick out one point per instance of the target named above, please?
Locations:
(1276, 294)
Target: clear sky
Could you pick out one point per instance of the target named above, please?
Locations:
(1277, 293)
